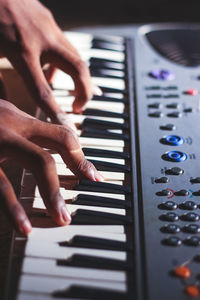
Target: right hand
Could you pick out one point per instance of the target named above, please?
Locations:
(21, 139)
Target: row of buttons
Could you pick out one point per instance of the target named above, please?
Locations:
(165, 96)
(157, 105)
(177, 171)
(176, 241)
(171, 205)
(184, 193)
(173, 217)
(164, 88)
(174, 228)
(159, 114)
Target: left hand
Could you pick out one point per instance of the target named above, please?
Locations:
(31, 38)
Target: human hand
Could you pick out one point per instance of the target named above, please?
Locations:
(21, 139)
(30, 38)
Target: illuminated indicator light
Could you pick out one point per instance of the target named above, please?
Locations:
(191, 92)
(182, 272)
(192, 291)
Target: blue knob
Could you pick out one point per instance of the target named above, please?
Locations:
(173, 140)
(175, 156)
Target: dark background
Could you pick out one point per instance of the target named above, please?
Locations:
(91, 12)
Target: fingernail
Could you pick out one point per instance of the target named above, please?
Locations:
(91, 175)
(97, 91)
(26, 227)
(65, 214)
(98, 176)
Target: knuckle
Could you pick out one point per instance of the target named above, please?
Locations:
(84, 165)
(68, 137)
(44, 161)
(81, 67)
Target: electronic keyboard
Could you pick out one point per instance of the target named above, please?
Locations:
(137, 234)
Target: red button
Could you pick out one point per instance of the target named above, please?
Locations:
(182, 272)
(192, 291)
(191, 92)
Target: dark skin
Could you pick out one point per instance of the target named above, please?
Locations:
(24, 25)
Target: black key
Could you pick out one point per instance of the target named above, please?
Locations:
(86, 292)
(95, 123)
(104, 113)
(82, 241)
(90, 217)
(109, 166)
(112, 90)
(107, 73)
(91, 200)
(112, 40)
(109, 99)
(105, 153)
(86, 261)
(96, 62)
(103, 134)
(105, 45)
(101, 187)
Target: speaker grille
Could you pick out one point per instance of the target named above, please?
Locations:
(181, 46)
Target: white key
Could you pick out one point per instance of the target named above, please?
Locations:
(55, 251)
(78, 119)
(70, 194)
(49, 266)
(58, 159)
(39, 204)
(64, 171)
(101, 105)
(48, 284)
(64, 93)
(101, 53)
(109, 82)
(64, 81)
(66, 233)
(85, 141)
(79, 38)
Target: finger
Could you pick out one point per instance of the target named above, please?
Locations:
(3, 93)
(64, 141)
(49, 74)
(12, 207)
(72, 64)
(43, 167)
(30, 69)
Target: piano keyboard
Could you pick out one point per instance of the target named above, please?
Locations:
(90, 258)
(134, 236)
